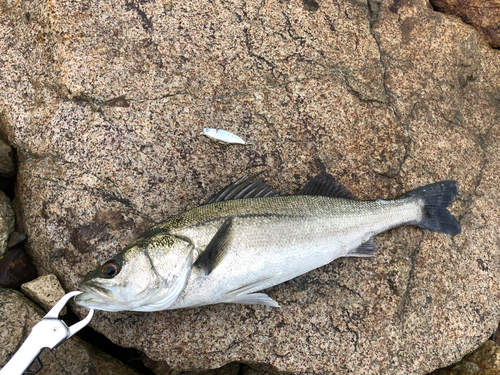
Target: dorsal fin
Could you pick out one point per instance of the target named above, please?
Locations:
(325, 185)
(246, 187)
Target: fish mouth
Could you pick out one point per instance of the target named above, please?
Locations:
(100, 291)
(102, 298)
(88, 300)
(94, 296)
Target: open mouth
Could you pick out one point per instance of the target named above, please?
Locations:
(87, 299)
(94, 293)
(100, 298)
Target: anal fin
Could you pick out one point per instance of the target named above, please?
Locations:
(244, 294)
(255, 299)
(366, 249)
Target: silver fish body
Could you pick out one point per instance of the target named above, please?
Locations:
(227, 251)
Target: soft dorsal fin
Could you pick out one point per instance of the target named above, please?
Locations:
(246, 187)
(216, 249)
(325, 185)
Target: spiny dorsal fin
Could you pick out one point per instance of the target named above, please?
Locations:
(366, 249)
(325, 185)
(216, 249)
(245, 187)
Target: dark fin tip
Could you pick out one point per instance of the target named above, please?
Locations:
(325, 185)
(366, 249)
(436, 198)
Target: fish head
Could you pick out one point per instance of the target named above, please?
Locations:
(120, 283)
(148, 275)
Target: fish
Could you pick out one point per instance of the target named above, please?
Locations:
(223, 137)
(248, 237)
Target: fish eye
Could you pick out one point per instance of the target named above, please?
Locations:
(111, 269)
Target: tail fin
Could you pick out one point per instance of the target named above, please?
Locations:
(436, 198)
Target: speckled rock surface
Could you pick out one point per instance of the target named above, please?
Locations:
(483, 15)
(7, 168)
(45, 290)
(483, 361)
(233, 368)
(105, 103)
(18, 315)
(7, 221)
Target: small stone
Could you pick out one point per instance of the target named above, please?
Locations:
(16, 269)
(167, 6)
(45, 290)
(7, 168)
(7, 221)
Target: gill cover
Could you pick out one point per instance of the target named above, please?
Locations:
(171, 258)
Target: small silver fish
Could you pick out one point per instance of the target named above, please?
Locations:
(222, 136)
(248, 238)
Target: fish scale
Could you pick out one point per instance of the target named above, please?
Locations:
(328, 230)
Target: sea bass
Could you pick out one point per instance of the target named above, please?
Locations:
(248, 238)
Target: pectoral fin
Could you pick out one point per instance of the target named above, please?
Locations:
(216, 249)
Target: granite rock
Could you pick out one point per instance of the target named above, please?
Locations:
(233, 368)
(7, 221)
(483, 361)
(18, 316)
(7, 167)
(17, 239)
(162, 368)
(44, 290)
(483, 15)
(105, 103)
